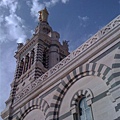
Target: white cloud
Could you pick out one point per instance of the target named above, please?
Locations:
(37, 6)
(83, 20)
(13, 19)
(13, 27)
(10, 4)
(65, 1)
(13, 7)
(32, 32)
(5, 3)
(1, 19)
(119, 1)
(28, 3)
(51, 3)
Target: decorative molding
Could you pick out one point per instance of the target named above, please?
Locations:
(86, 45)
(69, 58)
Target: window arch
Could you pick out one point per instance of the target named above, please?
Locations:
(85, 112)
(45, 58)
(80, 105)
(32, 56)
(21, 66)
(26, 62)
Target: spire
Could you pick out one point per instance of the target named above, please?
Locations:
(43, 15)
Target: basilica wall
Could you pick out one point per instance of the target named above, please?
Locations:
(55, 85)
(102, 102)
(88, 80)
(101, 105)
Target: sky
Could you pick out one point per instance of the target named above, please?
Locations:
(75, 20)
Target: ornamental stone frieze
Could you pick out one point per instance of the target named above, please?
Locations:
(88, 44)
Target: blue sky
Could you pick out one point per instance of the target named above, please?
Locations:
(75, 20)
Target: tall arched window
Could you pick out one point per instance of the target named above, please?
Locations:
(80, 105)
(45, 58)
(26, 62)
(32, 56)
(21, 66)
(85, 112)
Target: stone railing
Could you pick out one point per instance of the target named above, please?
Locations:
(73, 55)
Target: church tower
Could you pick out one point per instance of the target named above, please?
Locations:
(37, 55)
(85, 85)
(40, 53)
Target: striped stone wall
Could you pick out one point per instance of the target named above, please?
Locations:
(115, 82)
(91, 69)
(36, 103)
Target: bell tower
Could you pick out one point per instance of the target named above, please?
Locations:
(40, 53)
(35, 57)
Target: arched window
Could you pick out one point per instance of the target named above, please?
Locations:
(21, 66)
(32, 56)
(45, 58)
(80, 106)
(26, 62)
(85, 112)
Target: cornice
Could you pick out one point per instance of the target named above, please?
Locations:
(99, 40)
(26, 46)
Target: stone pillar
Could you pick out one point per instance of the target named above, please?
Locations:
(38, 59)
(39, 53)
(53, 55)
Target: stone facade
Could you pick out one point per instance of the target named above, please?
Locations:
(48, 87)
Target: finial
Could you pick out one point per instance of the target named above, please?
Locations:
(43, 15)
(65, 45)
(19, 45)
